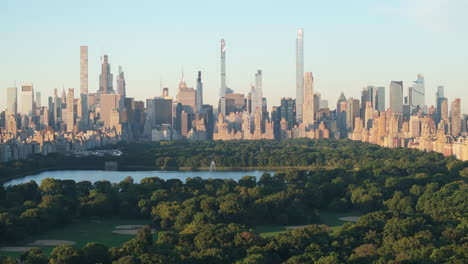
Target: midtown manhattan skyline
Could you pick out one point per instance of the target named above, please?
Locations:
(156, 47)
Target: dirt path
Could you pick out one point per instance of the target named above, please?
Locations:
(350, 218)
(46, 243)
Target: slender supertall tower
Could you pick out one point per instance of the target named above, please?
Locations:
(121, 83)
(83, 69)
(199, 93)
(258, 93)
(69, 113)
(83, 125)
(222, 92)
(299, 74)
(308, 105)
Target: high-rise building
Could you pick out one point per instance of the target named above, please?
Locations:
(121, 83)
(69, 111)
(417, 93)
(257, 94)
(352, 111)
(222, 92)
(455, 117)
(380, 99)
(109, 102)
(396, 97)
(12, 101)
(368, 94)
(105, 78)
(199, 100)
(308, 104)
(38, 100)
(186, 96)
(27, 99)
(288, 111)
(441, 105)
(299, 74)
(83, 69)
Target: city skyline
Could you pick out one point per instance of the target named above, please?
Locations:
(273, 53)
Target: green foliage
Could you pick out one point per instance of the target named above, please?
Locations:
(414, 205)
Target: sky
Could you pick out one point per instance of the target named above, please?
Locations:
(347, 45)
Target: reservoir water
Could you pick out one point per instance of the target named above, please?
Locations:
(117, 176)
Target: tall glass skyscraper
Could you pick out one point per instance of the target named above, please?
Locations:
(396, 97)
(380, 99)
(12, 100)
(299, 74)
(222, 91)
(308, 105)
(417, 93)
(199, 93)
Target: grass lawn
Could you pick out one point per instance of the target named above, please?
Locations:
(328, 218)
(84, 231)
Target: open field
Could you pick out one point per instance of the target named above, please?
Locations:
(80, 233)
(332, 219)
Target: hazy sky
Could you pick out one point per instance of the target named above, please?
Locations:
(348, 44)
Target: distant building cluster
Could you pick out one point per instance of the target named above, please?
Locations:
(74, 122)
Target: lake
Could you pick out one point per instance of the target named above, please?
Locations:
(118, 176)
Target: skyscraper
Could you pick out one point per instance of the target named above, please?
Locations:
(83, 69)
(38, 100)
(83, 125)
(396, 97)
(308, 105)
(69, 111)
(380, 99)
(12, 101)
(455, 117)
(441, 104)
(121, 83)
(27, 99)
(417, 93)
(222, 92)
(299, 74)
(257, 106)
(199, 100)
(105, 78)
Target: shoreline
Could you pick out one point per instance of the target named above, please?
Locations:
(3, 180)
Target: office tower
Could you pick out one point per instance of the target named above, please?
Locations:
(83, 114)
(317, 98)
(368, 94)
(222, 92)
(323, 104)
(288, 111)
(341, 106)
(380, 99)
(51, 111)
(108, 103)
(27, 99)
(299, 74)
(308, 104)
(396, 97)
(199, 101)
(417, 93)
(186, 96)
(83, 69)
(237, 102)
(160, 111)
(38, 100)
(121, 83)
(258, 92)
(105, 78)
(69, 111)
(455, 117)
(440, 91)
(12, 101)
(352, 111)
(44, 117)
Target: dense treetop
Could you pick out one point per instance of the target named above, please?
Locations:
(414, 206)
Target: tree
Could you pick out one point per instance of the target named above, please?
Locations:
(67, 255)
(96, 253)
(34, 256)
